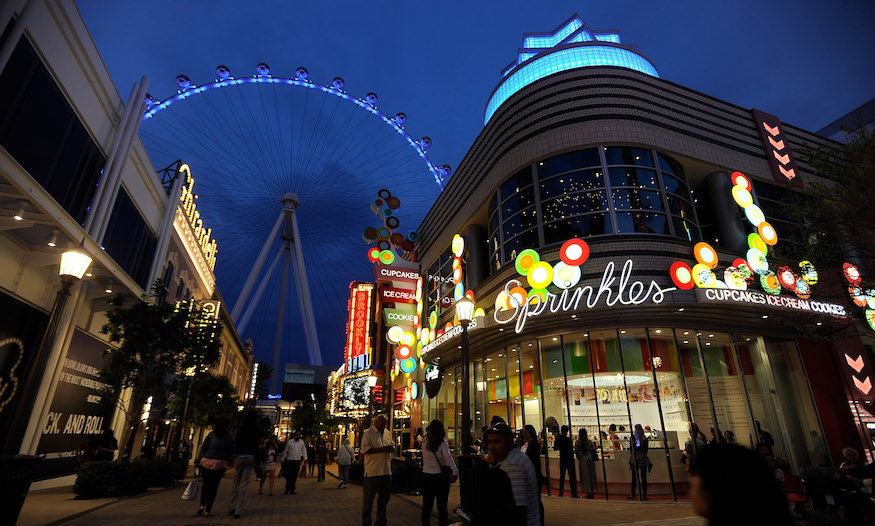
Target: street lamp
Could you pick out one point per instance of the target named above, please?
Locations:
(465, 313)
(73, 266)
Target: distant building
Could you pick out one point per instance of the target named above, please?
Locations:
(845, 126)
(306, 383)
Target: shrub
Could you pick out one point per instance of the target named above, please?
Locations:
(119, 479)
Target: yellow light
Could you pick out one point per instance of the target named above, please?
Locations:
(540, 275)
(74, 264)
(742, 196)
(703, 277)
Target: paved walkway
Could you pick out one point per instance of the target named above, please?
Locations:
(323, 504)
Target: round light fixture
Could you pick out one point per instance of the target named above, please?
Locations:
(540, 275)
(525, 260)
(565, 276)
(574, 252)
(705, 254)
(682, 275)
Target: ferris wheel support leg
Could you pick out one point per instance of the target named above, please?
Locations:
(259, 292)
(256, 269)
(307, 301)
(280, 318)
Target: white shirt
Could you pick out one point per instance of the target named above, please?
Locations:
(430, 463)
(523, 482)
(377, 464)
(344, 455)
(295, 450)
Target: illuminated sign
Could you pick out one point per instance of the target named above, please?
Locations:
(768, 300)
(397, 316)
(778, 153)
(456, 330)
(384, 273)
(515, 303)
(393, 295)
(254, 382)
(201, 234)
(358, 328)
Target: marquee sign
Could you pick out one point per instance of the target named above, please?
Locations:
(393, 295)
(358, 328)
(515, 303)
(751, 297)
(451, 333)
(778, 153)
(398, 316)
(434, 377)
(186, 200)
(391, 274)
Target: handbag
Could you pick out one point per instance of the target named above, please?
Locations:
(446, 471)
(191, 490)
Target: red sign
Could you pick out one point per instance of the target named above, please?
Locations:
(393, 295)
(778, 154)
(388, 274)
(358, 327)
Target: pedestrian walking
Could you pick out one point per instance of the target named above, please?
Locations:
(272, 454)
(245, 447)
(344, 459)
(692, 447)
(438, 472)
(532, 448)
(161, 452)
(292, 459)
(639, 463)
(766, 438)
(523, 483)
(377, 448)
(563, 445)
(311, 457)
(731, 482)
(321, 459)
(586, 454)
(215, 453)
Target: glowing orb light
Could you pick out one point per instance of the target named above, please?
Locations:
(373, 254)
(786, 277)
(408, 365)
(769, 282)
(395, 334)
(458, 245)
(383, 233)
(540, 275)
(742, 196)
(739, 179)
(518, 296)
(802, 289)
(768, 233)
(574, 252)
(408, 339)
(703, 277)
(809, 273)
(432, 319)
(525, 260)
(858, 296)
(870, 318)
(387, 257)
(757, 261)
(705, 254)
(565, 276)
(458, 291)
(755, 215)
(852, 273)
(502, 301)
(403, 352)
(870, 298)
(735, 278)
(755, 241)
(479, 313)
(682, 275)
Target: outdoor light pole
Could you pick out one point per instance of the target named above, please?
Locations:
(73, 267)
(465, 313)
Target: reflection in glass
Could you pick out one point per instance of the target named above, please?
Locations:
(569, 161)
(641, 223)
(581, 226)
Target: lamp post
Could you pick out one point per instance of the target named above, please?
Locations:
(73, 266)
(465, 313)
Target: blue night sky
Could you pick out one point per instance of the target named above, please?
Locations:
(804, 61)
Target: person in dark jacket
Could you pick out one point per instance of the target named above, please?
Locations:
(245, 448)
(639, 463)
(565, 447)
(586, 454)
(215, 453)
(532, 449)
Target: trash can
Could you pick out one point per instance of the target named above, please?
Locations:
(17, 472)
(413, 471)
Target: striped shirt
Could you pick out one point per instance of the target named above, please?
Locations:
(523, 483)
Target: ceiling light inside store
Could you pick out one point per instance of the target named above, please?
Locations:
(658, 331)
(820, 323)
(686, 341)
(622, 332)
(53, 240)
(686, 332)
(554, 339)
(681, 309)
(765, 316)
(710, 335)
(707, 343)
(573, 316)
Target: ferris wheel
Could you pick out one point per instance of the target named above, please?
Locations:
(285, 170)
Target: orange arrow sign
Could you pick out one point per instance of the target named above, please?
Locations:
(784, 159)
(779, 145)
(857, 364)
(865, 386)
(774, 131)
(789, 174)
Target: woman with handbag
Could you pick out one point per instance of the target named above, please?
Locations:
(345, 456)
(586, 454)
(216, 451)
(438, 472)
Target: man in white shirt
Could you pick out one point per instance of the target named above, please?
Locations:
(524, 485)
(377, 448)
(293, 454)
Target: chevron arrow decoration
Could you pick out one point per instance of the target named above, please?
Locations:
(865, 386)
(857, 364)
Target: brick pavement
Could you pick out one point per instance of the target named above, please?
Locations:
(323, 504)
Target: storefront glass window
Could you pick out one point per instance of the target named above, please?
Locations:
(496, 386)
(514, 389)
(479, 396)
(727, 389)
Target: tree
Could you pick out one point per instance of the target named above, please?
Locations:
(208, 397)
(837, 225)
(153, 345)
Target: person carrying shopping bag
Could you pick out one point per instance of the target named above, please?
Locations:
(216, 451)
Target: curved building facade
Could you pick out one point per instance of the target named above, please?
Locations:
(643, 171)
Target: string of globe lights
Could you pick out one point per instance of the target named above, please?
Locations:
(225, 79)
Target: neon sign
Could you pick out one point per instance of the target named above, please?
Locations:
(358, 328)
(565, 275)
(201, 234)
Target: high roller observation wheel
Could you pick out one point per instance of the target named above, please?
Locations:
(302, 79)
(242, 172)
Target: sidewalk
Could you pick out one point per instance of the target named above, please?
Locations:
(323, 504)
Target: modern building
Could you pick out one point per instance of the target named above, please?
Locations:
(75, 175)
(631, 277)
(846, 125)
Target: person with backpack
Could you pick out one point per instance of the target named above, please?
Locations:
(345, 456)
(438, 472)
